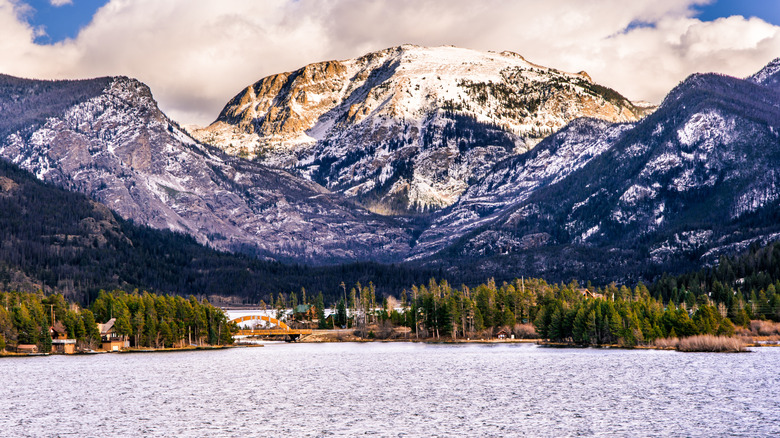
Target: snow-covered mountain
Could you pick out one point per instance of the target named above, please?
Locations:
(697, 178)
(108, 139)
(594, 200)
(407, 128)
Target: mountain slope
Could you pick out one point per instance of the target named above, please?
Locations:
(696, 178)
(117, 147)
(513, 180)
(407, 128)
(59, 241)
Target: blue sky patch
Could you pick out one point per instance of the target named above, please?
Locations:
(767, 10)
(61, 22)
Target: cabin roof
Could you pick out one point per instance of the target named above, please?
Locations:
(303, 308)
(107, 327)
(58, 327)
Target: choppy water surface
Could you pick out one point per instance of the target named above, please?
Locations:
(393, 389)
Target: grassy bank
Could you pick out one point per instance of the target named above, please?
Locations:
(703, 343)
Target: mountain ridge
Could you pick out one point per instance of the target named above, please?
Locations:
(694, 179)
(691, 181)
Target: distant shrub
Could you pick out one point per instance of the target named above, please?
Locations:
(525, 331)
(666, 343)
(764, 328)
(710, 343)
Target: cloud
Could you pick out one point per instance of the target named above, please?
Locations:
(197, 54)
(58, 3)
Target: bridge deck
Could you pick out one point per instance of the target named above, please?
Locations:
(274, 332)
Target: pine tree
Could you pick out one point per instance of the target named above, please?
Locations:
(92, 334)
(45, 340)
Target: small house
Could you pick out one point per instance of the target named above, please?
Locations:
(305, 312)
(502, 334)
(110, 339)
(27, 348)
(59, 340)
(587, 293)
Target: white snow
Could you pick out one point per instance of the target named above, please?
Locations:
(710, 128)
(589, 233)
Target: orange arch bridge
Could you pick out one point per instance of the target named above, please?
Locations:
(281, 329)
(273, 321)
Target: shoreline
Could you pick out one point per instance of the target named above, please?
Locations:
(330, 336)
(133, 351)
(335, 339)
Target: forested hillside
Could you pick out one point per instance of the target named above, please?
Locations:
(60, 241)
(27, 103)
(747, 284)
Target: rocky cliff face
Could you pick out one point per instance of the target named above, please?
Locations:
(116, 146)
(407, 128)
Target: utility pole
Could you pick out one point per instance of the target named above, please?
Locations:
(346, 313)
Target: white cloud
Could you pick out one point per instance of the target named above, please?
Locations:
(196, 54)
(58, 3)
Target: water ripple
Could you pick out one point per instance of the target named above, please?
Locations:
(393, 390)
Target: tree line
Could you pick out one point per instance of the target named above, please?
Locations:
(748, 285)
(145, 319)
(525, 308)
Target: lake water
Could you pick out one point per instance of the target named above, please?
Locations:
(393, 390)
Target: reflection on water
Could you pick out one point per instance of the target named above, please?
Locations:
(393, 389)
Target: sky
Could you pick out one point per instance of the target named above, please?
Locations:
(197, 54)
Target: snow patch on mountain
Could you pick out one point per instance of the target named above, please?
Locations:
(769, 75)
(707, 129)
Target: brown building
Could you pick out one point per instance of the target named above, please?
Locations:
(111, 340)
(27, 348)
(305, 315)
(589, 294)
(59, 340)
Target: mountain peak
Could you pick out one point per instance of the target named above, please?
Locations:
(408, 126)
(769, 75)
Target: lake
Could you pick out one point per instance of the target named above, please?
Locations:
(393, 390)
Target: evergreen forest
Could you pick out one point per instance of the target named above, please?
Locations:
(146, 320)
